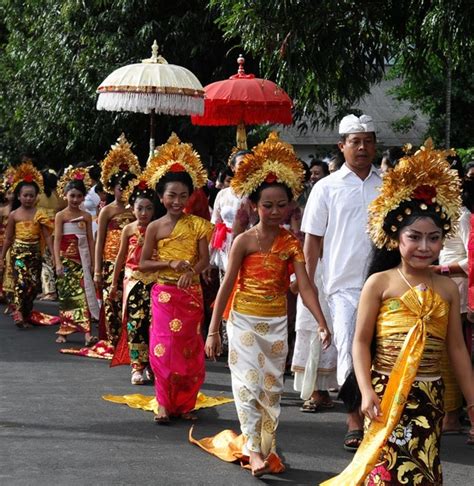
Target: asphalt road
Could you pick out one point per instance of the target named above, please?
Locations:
(55, 429)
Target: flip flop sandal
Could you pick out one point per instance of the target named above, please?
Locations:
(161, 420)
(310, 406)
(266, 470)
(352, 440)
(93, 340)
(470, 439)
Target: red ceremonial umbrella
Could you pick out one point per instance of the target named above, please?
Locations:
(243, 100)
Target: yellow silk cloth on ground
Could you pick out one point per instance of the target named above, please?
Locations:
(149, 403)
(422, 315)
(228, 446)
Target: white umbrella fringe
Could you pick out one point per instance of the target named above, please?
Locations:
(169, 104)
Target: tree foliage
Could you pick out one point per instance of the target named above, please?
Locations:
(53, 56)
(327, 54)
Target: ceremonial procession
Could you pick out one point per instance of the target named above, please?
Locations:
(215, 277)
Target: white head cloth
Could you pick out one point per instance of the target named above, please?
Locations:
(355, 124)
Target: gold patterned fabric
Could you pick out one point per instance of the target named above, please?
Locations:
(264, 278)
(182, 245)
(114, 231)
(30, 231)
(421, 315)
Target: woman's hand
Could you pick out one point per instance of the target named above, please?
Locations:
(98, 281)
(370, 406)
(59, 271)
(324, 337)
(179, 265)
(213, 346)
(185, 280)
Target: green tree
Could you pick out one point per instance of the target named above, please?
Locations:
(327, 54)
(53, 55)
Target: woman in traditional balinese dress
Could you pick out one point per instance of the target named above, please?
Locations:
(181, 245)
(136, 311)
(260, 263)
(28, 228)
(73, 256)
(50, 202)
(407, 315)
(119, 168)
(6, 195)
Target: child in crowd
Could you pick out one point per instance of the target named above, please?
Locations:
(407, 315)
(181, 245)
(260, 264)
(136, 293)
(119, 169)
(28, 228)
(73, 256)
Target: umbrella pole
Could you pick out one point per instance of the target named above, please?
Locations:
(152, 133)
(241, 137)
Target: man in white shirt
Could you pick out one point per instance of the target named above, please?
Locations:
(335, 221)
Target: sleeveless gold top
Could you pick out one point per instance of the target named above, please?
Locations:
(114, 232)
(30, 231)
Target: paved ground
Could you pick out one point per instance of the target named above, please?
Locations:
(56, 430)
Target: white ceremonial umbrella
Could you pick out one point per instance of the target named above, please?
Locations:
(152, 86)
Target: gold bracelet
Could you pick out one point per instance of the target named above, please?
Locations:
(216, 333)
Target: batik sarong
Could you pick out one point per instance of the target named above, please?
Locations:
(112, 308)
(137, 316)
(411, 454)
(257, 357)
(48, 280)
(26, 270)
(77, 300)
(176, 346)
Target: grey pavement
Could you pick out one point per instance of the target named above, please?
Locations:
(55, 429)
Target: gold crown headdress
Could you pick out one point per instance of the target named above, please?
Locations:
(6, 179)
(175, 156)
(139, 188)
(26, 172)
(420, 181)
(270, 161)
(119, 161)
(74, 173)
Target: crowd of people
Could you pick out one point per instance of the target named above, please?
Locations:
(355, 278)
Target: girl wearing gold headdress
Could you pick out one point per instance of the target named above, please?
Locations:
(181, 245)
(119, 169)
(6, 194)
(73, 256)
(260, 264)
(132, 347)
(27, 228)
(407, 315)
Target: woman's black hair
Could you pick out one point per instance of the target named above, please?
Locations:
(16, 193)
(182, 177)
(50, 181)
(382, 259)
(94, 172)
(122, 179)
(76, 184)
(238, 154)
(225, 172)
(151, 196)
(320, 163)
(255, 195)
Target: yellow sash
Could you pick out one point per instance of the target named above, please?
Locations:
(423, 305)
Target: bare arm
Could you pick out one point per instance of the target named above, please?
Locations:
(9, 237)
(242, 218)
(90, 238)
(58, 234)
(236, 256)
(147, 264)
(102, 222)
(203, 262)
(121, 255)
(368, 309)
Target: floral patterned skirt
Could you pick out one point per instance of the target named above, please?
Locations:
(411, 454)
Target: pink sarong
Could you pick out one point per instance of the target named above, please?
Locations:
(176, 346)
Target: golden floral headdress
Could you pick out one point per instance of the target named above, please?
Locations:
(421, 181)
(74, 173)
(6, 179)
(27, 172)
(139, 188)
(270, 161)
(175, 156)
(119, 161)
